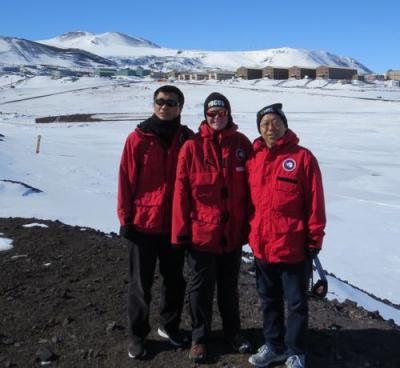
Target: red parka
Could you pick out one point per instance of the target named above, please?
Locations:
(210, 208)
(287, 196)
(146, 181)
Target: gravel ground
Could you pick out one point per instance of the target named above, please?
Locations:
(63, 299)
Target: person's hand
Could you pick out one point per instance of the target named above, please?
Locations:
(181, 247)
(127, 231)
(312, 252)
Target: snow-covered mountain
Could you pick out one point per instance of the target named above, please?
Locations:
(129, 50)
(125, 50)
(18, 51)
(105, 44)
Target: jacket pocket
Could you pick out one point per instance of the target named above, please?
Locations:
(287, 197)
(206, 231)
(284, 224)
(204, 187)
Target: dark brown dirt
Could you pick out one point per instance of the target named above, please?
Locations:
(63, 291)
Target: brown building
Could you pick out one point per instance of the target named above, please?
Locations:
(247, 73)
(273, 72)
(331, 72)
(221, 75)
(393, 74)
(299, 72)
(184, 76)
(174, 74)
(198, 76)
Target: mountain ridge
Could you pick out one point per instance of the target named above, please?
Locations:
(122, 50)
(20, 51)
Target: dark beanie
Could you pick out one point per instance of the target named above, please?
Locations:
(271, 109)
(215, 99)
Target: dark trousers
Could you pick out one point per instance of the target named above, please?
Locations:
(276, 282)
(206, 271)
(144, 251)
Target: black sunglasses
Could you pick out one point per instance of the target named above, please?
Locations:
(169, 103)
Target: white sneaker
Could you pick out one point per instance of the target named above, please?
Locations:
(266, 356)
(296, 361)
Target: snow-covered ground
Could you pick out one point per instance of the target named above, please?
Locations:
(353, 130)
(5, 243)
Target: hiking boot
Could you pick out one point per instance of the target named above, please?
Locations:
(136, 349)
(296, 361)
(197, 353)
(239, 343)
(175, 338)
(266, 356)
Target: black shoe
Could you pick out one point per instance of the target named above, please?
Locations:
(239, 343)
(176, 338)
(136, 349)
(197, 353)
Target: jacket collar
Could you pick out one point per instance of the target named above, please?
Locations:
(207, 132)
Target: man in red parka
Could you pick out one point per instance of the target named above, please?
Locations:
(287, 228)
(145, 191)
(210, 219)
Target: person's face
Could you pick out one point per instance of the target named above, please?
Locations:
(217, 118)
(272, 128)
(166, 106)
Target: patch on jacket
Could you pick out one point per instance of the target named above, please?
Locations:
(289, 164)
(240, 154)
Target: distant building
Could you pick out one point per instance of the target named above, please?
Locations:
(184, 76)
(248, 73)
(374, 77)
(128, 72)
(106, 72)
(273, 72)
(393, 74)
(174, 74)
(158, 75)
(141, 72)
(331, 72)
(221, 75)
(199, 76)
(299, 72)
(359, 77)
(11, 69)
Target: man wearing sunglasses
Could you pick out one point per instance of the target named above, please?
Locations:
(145, 191)
(210, 220)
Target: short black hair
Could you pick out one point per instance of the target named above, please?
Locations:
(170, 89)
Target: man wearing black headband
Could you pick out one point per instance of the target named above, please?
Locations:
(145, 190)
(287, 228)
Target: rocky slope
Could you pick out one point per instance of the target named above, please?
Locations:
(63, 294)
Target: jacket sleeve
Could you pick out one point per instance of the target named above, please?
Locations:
(248, 208)
(315, 204)
(181, 207)
(127, 179)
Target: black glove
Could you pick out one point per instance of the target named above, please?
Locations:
(127, 231)
(312, 252)
(181, 247)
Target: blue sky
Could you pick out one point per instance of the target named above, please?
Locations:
(368, 31)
